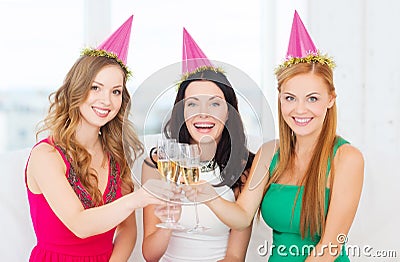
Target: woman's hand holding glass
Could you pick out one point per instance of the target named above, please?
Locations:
(201, 191)
(165, 213)
(153, 192)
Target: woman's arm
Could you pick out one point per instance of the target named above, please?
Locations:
(46, 175)
(238, 239)
(239, 215)
(345, 196)
(125, 237)
(155, 240)
(237, 245)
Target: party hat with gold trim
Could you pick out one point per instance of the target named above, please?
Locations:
(301, 48)
(115, 46)
(196, 65)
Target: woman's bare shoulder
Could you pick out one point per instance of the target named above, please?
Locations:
(349, 153)
(349, 160)
(271, 145)
(45, 153)
(268, 149)
(45, 159)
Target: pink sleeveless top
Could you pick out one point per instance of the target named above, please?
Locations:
(55, 242)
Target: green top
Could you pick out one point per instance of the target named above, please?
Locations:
(276, 210)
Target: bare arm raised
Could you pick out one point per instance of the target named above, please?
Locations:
(239, 214)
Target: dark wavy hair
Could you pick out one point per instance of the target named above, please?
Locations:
(232, 154)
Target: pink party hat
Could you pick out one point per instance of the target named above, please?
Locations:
(300, 43)
(301, 48)
(118, 42)
(193, 57)
(115, 46)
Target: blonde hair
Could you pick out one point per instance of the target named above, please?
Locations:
(312, 217)
(118, 138)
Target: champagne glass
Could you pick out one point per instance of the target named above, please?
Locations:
(189, 167)
(167, 153)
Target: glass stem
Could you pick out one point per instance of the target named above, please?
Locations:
(195, 210)
(169, 219)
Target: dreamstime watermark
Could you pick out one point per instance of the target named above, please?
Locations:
(367, 251)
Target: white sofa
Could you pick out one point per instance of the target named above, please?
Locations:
(17, 233)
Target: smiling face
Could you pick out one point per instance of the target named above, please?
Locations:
(104, 98)
(304, 102)
(205, 111)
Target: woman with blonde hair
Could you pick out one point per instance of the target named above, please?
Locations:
(78, 179)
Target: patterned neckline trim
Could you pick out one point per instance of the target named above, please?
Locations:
(207, 166)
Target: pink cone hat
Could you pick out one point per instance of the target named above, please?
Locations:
(192, 56)
(118, 42)
(300, 43)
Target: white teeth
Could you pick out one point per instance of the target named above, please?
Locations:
(204, 125)
(302, 120)
(100, 111)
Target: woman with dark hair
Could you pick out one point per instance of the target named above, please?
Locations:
(205, 113)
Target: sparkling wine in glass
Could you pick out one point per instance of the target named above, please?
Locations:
(190, 174)
(189, 169)
(168, 170)
(167, 152)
